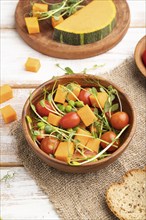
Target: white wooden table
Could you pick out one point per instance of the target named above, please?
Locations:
(21, 199)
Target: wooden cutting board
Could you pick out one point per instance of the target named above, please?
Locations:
(44, 43)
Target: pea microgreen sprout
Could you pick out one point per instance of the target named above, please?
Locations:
(62, 8)
(83, 146)
(9, 176)
(92, 68)
(69, 71)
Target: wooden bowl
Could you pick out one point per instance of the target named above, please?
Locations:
(85, 81)
(141, 46)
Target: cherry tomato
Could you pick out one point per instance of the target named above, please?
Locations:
(144, 58)
(49, 145)
(70, 120)
(119, 120)
(43, 111)
(84, 96)
(108, 137)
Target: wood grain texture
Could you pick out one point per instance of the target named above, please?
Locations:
(22, 199)
(15, 74)
(8, 150)
(44, 43)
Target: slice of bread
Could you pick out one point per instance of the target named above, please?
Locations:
(127, 199)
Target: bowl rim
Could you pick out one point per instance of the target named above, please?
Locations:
(138, 53)
(41, 154)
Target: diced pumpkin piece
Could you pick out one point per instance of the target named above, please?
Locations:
(61, 94)
(8, 114)
(76, 90)
(86, 115)
(32, 65)
(32, 25)
(54, 119)
(82, 136)
(6, 93)
(101, 99)
(64, 151)
(93, 144)
(38, 7)
(55, 21)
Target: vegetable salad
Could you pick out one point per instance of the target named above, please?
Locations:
(78, 125)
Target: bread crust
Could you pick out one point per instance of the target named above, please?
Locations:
(121, 184)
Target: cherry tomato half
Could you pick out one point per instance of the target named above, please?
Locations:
(119, 120)
(84, 96)
(144, 58)
(70, 120)
(109, 136)
(49, 145)
(43, 111)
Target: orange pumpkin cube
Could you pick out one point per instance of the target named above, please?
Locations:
(32, 25)
(55, 21)
(6, 93)
(99, 100)
(54, 119)
(75, 88)
(32, 65)
(86, 115)
(82, 136)
(61, 94)
(64, 151)
(93, 144)
(8, 114)
(38, 7)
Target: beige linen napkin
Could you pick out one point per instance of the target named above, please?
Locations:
(82, 196)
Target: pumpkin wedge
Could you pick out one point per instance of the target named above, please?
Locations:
(90, 24)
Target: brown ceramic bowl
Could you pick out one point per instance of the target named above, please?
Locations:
(85, 81)
(140, 47)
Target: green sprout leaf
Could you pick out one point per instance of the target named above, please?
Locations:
(42, 103)
(107, 106)
(68, 71)
(114, 107)
(8, 177)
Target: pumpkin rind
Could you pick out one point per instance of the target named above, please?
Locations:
(68, 35)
